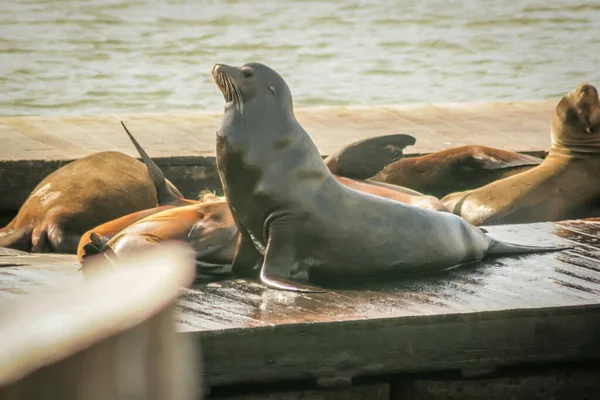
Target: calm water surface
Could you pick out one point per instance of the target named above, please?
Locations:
(104, 56)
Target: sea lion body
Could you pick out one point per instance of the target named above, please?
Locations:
(109, 229)
(77, 197)
(456, 169)
(565, 186)
(290, 209)
(208, 227)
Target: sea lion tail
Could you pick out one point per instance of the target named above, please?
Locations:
(497, 247)
(16, 239)
(163, 192)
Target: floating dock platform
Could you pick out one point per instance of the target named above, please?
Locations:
(512, 327)
(501, 328)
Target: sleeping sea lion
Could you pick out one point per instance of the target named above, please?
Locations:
(77, 197)
(456, 169)
(207, 226)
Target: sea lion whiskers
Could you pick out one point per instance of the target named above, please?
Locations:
(228, 91)
(239, 102)
(223, 84)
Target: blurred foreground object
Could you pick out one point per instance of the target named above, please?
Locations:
(110, 336)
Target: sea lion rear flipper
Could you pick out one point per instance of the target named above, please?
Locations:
(365, 158)
(279, 260)
(164, 192)
(482, 159)
(497, 248)
(98, 245)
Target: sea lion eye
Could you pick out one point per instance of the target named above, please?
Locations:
(248, 73)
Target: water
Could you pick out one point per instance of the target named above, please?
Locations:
(105, 56)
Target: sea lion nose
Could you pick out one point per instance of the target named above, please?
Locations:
(215, 69)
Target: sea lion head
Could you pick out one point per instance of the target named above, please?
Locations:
(252, 85)
(576, 120)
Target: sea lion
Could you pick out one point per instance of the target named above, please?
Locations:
(207, 226)
(290, 210)
(79, 196)
(565, 186)
(109, 229)
(364, 158)
(456, 169)
(167, 199)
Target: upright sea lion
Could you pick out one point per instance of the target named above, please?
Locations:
(290, 209)
(78, 196)
(456, 169)
(565, 186)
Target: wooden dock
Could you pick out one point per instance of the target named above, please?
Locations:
(461, 334)
(183, 144)
(379, 340)
(522, 125)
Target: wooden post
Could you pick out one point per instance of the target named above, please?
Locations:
(109, 336)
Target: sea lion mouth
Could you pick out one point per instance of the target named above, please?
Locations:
(228, 86)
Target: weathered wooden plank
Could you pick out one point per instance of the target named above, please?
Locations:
(510, 125)
(360, 392)
(393, 345)
(560, 383)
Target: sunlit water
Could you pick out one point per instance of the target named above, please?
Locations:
(104, 56)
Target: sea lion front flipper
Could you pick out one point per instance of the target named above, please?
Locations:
(165, 194)
(279, 261)
(247, 260)
(208, 236)
(365, 158)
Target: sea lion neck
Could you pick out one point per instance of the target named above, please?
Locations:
(256, 122)
(575, 128)
(581, 145)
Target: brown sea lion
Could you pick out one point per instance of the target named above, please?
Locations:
(109, 229)
(298, 222)
(456, 169)
(565, 186)
(207, 226)
(78, 196)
